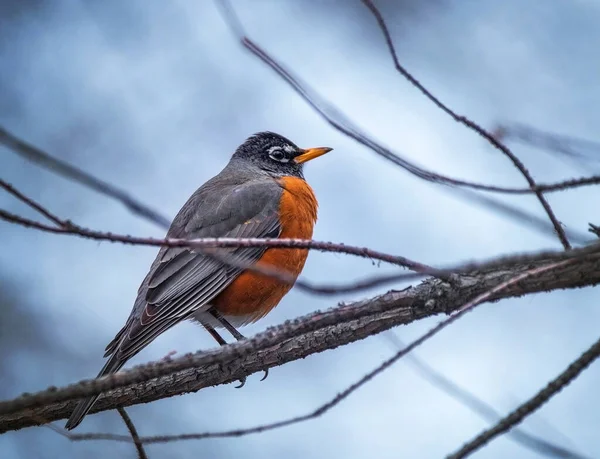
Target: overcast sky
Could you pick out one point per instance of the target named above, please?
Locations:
(155, 96)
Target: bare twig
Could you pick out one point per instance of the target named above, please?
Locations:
(468, 123)
(68, 228)
(31, 203)
(134, 434)
(70, 172)
(478, 406)
(511, 212)
(336, 119)
(133, 438)
(533, 404)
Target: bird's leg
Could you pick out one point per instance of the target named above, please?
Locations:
(219, 339)
(230, 328)
(236, 334)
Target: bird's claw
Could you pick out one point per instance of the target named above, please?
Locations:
(243, 380)
(266, 373)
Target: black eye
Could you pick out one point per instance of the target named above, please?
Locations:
(277, 154)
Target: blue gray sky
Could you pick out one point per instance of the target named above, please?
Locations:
(155, 96)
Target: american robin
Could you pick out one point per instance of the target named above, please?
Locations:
(261, 193)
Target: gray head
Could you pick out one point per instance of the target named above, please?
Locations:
(275, 155)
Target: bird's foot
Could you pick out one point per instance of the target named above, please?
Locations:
(167, 357)
(243, 380)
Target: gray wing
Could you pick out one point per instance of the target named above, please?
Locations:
(182, 281)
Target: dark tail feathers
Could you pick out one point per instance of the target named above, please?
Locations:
(112, 366)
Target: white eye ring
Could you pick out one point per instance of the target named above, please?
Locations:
(277, 154)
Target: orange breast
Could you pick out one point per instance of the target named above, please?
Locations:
(252, 295)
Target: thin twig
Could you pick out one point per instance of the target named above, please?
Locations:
(470, 124)
(133, 438)
(507, 210)
(478, 406)
(208, 243)
(533, 404)
(31, 203)
(134, 434)
(68, 228)
(334, 117)
(75, 174)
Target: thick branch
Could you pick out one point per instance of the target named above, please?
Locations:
(294, 340)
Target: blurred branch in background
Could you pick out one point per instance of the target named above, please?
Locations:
(594, 229)
(578, 151)
(64, 169)
(523, 218)
(478, 406)
(535, 403)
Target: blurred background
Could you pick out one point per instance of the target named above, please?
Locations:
(154, 96)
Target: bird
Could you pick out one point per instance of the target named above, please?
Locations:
(260, 193)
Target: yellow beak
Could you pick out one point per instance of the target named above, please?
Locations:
(311, 153)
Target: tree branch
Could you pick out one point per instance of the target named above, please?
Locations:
(205, 245)
(334, 117)
(297, 339)
(469, 124)
(319, 411)
(139, 446)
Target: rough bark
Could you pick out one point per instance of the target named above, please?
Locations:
(297, 339)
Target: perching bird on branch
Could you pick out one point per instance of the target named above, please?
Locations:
(261, 193)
